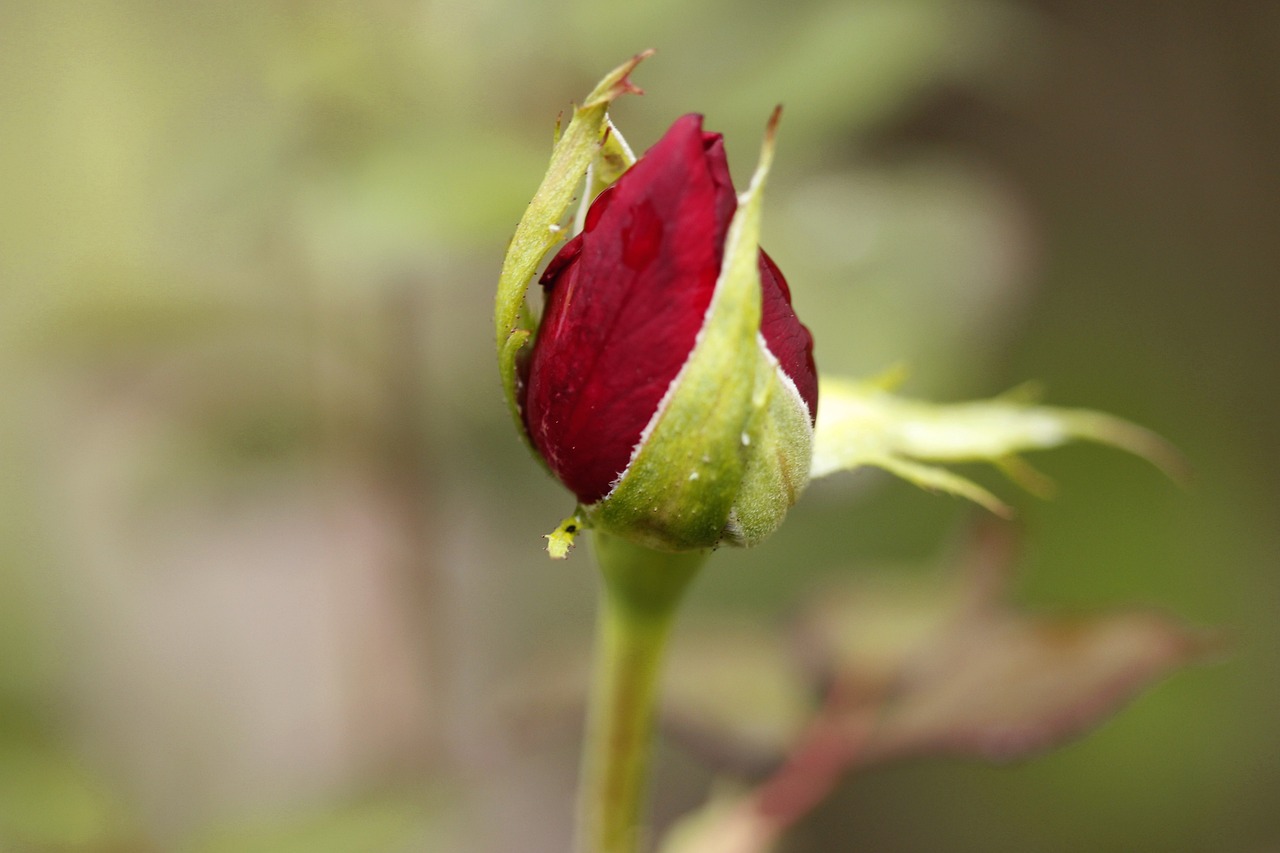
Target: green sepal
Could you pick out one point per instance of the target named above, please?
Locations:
(614, 157)
(540, 228)
(779, 454)
(861, 424)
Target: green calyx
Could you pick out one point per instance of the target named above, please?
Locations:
(778, 458)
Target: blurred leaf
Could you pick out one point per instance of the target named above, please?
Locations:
(732, 694)
(851, 236)
(939, 665)
(861, 424)
(869, 627)
(48, 799)
(854, 65)
(727, 823)
(962, 672)
(1008, 686)
(403, 823)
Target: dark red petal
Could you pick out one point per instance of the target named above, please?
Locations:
(784, 334)
(718, 165)
(570, 250)
(624, 305)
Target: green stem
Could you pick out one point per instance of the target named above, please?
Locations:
(641, 591)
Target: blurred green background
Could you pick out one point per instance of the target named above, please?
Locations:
(270, 551)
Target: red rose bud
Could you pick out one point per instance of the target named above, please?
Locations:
(671, 386)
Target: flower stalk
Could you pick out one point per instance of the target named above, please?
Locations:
(639, 597)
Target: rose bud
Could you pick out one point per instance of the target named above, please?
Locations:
(671, 386)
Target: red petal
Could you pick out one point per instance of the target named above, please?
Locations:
(624, 305)
(784, 334)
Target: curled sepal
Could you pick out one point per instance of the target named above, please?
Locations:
(614, 157)
(561, 540)
(684, 479)
(862, 424)
(540, 228)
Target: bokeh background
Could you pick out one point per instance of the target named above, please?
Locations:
(270, 568)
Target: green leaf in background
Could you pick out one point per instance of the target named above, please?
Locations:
(862, 424)
(48, 801)
(406, 822)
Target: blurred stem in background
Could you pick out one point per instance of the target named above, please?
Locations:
(410, 463)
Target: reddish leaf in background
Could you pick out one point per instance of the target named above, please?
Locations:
(943, 667)
(988, 681)
(1015, 686)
